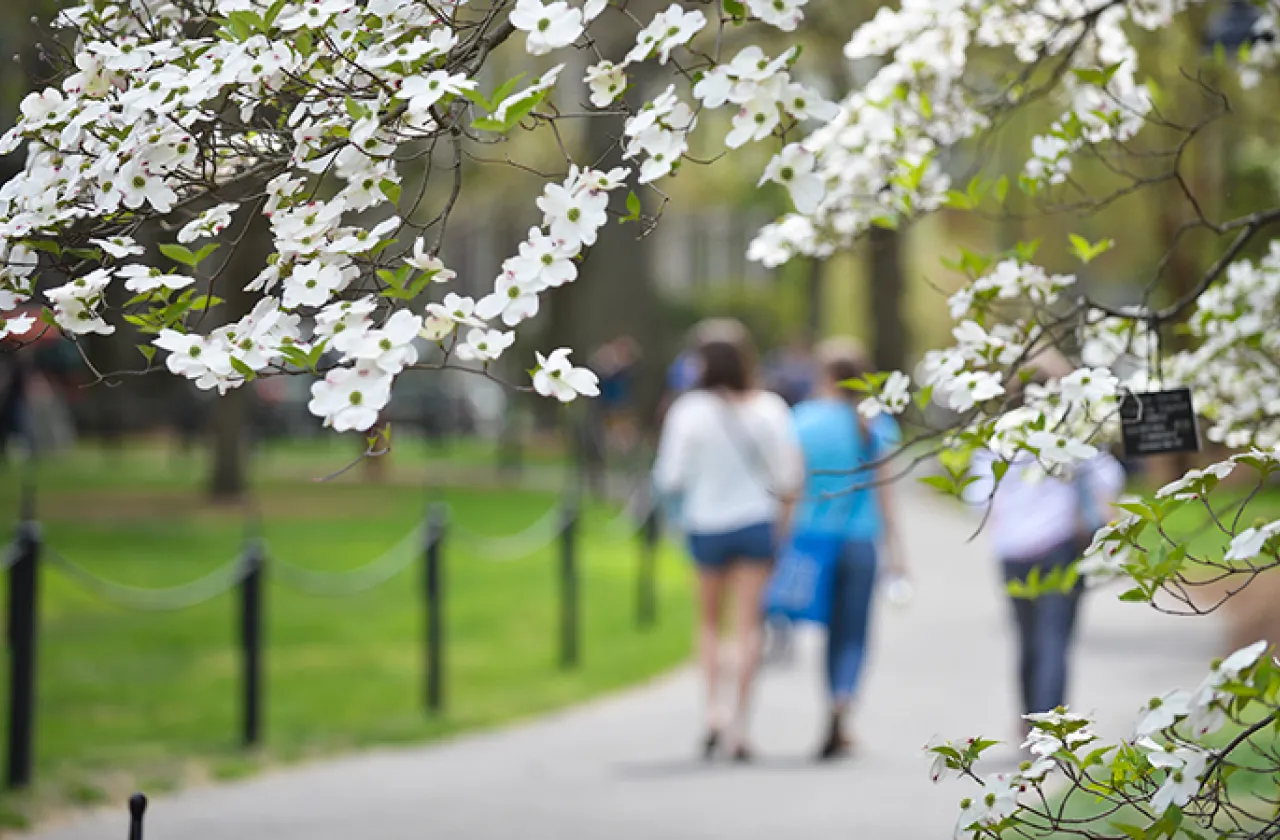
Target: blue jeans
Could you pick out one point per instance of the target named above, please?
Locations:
(855, 584)
(1045, 627)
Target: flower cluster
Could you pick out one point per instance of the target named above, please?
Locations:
(1231, 368)
(302, 112)
(1165, 765)
(877, 157)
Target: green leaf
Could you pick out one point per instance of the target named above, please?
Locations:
(1086, 251)
(148, 352)
(94, 254)
(204, 252)
(1096, 756)
(354, 109)
(1026, 251)
(945, 483)
(243, 369)
(46, 245)
(1002, 188)
(1097, 78)
(390, 189)
(505, 89)
(633, 208)
(274, 12)
(1131, 831)
(521, 109)
(478, 98)
(958, 200)
(977, 190)
(205, 302)
(1137, 595)
(998, 469)
(178, 253)
(240, 28)
(1138, 509)
(734, 8)
(294, 356)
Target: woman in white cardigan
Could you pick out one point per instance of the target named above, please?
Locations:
(729, 452)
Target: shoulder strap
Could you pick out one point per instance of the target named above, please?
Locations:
(744, 444)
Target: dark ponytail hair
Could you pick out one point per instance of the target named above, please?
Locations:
(727, 356)
(843, 359)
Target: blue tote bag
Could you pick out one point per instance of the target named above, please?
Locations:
(803, 583)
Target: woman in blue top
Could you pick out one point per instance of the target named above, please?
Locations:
(846, 494)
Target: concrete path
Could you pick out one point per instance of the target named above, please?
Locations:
(624, 769)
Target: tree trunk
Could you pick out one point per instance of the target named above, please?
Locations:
(228, 479)
(814, 288)
(889, 336)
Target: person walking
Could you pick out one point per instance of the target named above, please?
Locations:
(728, 451)
(790, 371)
(1042, 524)
(847, 495)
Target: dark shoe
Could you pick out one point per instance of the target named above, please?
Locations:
(835, 749)
(742, 755)
(838, 745)
(710, 744)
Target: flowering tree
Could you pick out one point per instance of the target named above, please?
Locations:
(197, 117)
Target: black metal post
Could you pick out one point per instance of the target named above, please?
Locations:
(569, 586)
(23, 626)
(251, 643)
(647, 577)
(137, 807)
(434, 591)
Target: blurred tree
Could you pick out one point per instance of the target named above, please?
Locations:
(890, 335)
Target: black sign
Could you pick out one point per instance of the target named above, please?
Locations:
(1159, 422)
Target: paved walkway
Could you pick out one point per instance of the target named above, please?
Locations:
(623, 768)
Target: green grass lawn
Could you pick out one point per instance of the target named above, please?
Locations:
(129, 698)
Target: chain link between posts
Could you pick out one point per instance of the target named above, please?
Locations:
(640, 505)
(505, 549)
(350, 582)
(167, 599)
(538, 536)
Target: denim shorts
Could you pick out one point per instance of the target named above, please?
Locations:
(752, 544)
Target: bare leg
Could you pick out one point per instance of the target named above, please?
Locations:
(748, 581)
(712, 585)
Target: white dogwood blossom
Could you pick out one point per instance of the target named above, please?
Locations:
(556, 377)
